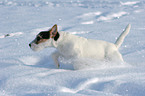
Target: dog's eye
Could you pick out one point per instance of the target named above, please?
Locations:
(38, 38)
(45, 35)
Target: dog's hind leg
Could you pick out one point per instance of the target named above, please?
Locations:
(55, 56)
(118, 57)
(115, 56)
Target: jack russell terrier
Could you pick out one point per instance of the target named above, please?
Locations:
(72, 46)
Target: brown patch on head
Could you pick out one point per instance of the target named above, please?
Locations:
(46, 35)
(41, 38)
(41, 41)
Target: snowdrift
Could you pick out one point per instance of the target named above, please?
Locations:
(27, 73)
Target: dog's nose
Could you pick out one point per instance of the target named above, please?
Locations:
(30, 45)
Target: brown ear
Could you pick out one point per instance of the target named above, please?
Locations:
(53, 31)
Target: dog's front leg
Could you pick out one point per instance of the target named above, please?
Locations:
(55, 56)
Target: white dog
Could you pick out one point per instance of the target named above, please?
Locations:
(72, 46)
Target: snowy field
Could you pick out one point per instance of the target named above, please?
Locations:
(27, 73)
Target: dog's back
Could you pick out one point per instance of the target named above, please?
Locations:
(75, 46)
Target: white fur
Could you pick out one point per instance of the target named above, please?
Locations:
(72, 46)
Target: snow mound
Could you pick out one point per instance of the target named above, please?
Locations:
(11, 34)
(129, 3)
(112, 16)
(27, 73)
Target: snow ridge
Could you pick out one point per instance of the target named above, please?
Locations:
(27, 73)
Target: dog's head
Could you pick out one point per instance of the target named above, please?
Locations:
(45, 39)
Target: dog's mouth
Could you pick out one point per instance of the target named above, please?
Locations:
(34, 47)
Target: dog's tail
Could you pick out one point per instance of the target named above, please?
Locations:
(120, 39)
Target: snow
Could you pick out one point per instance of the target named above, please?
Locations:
(11, 34)
(27, 73)
(88, 22)
(112, 16)
(129, 3)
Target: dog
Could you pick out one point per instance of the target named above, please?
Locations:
(72, 46)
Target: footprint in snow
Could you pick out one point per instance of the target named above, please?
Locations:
(91, 18)
(11, 34)
(112, 16)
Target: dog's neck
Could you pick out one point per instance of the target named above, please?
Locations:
(58, 39)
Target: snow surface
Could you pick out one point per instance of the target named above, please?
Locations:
(27, 73)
